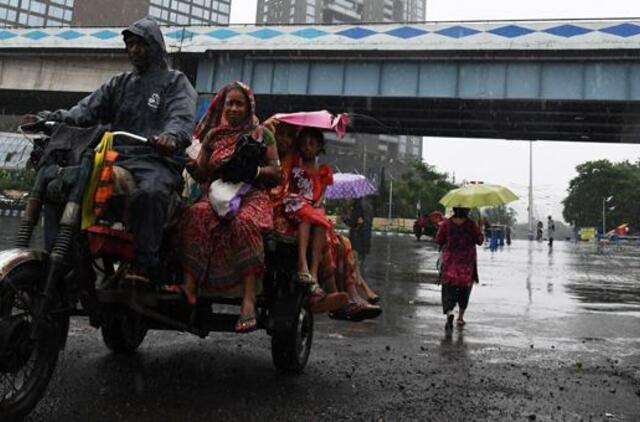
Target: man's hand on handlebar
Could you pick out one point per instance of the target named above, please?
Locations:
(32, 123)
(29, 119)
(165, 144)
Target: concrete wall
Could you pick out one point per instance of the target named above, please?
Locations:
(70, 73)
(117, 13)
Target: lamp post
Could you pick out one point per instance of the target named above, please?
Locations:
(390, 197)
(530, 207)
(605, 201)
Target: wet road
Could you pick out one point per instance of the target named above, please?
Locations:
(550, 336)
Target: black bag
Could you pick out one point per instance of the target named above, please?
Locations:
(243, 165)
(69, 143)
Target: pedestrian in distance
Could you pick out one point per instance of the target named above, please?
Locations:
(360, 224)
(539, 228)
(551, 228)
(458, 237)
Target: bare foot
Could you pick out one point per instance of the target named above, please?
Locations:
(190, 296)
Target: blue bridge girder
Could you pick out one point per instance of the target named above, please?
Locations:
(485, 78)
(491, 95)
(549, 80)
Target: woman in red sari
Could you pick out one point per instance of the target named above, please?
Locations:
(221, 253)
(458, 237)
(338, 268)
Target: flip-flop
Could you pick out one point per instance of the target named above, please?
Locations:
(246, 324)
(305, 277)
(356, 312)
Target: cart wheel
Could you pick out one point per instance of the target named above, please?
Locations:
(124, 335)
(290, 349)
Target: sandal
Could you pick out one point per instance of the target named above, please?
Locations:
(374, 300)
(246, 324)
(356, 312)
(321, 301)
(461, 322)
(182, 291)
(306, 278)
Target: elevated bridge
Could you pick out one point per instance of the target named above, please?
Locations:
(547, 80)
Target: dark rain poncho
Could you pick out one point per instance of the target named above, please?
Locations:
(147, 104)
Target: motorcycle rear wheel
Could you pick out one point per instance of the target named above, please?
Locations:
(125, 334)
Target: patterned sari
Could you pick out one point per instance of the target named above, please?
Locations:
(459, 267)
(218, 252)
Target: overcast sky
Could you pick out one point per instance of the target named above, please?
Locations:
(507, 162)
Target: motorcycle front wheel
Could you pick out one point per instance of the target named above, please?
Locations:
(26, 363)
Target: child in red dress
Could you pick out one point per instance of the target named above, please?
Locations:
(304, 204)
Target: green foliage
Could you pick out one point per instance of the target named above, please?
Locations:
(500, 215)
(420, 183)
(598, 180)
(17, 179)
(338, 207)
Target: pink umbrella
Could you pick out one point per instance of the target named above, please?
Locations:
(321, 119)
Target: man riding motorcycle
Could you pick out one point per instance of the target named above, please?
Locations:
(152, 101)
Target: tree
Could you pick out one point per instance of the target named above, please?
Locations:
(617, 184)
(420, 184)
(17, 179)
(501, 215)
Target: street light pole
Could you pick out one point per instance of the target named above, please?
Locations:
(530, 190)
(605, 200)
(390, 197)
(604, 214)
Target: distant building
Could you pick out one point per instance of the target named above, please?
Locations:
(365, 154)
(339, 11)
(38, 13)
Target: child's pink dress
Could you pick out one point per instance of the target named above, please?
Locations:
(306, 188)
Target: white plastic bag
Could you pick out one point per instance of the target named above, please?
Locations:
(225, 197)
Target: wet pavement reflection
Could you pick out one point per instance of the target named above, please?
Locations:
(528, 293)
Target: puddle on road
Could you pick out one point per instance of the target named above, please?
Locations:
(527, 294)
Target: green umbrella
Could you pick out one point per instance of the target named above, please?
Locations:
(478, 195)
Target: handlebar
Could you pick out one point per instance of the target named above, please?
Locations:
(38, 126)
(48, 125)
(131, 136)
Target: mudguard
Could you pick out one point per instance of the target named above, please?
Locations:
(10, 259)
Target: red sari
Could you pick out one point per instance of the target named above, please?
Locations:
(217, 252)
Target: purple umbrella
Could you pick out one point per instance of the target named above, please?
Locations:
(349, 185)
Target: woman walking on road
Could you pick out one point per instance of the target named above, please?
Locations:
(458, 237)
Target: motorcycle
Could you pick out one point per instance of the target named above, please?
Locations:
(84, 274)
